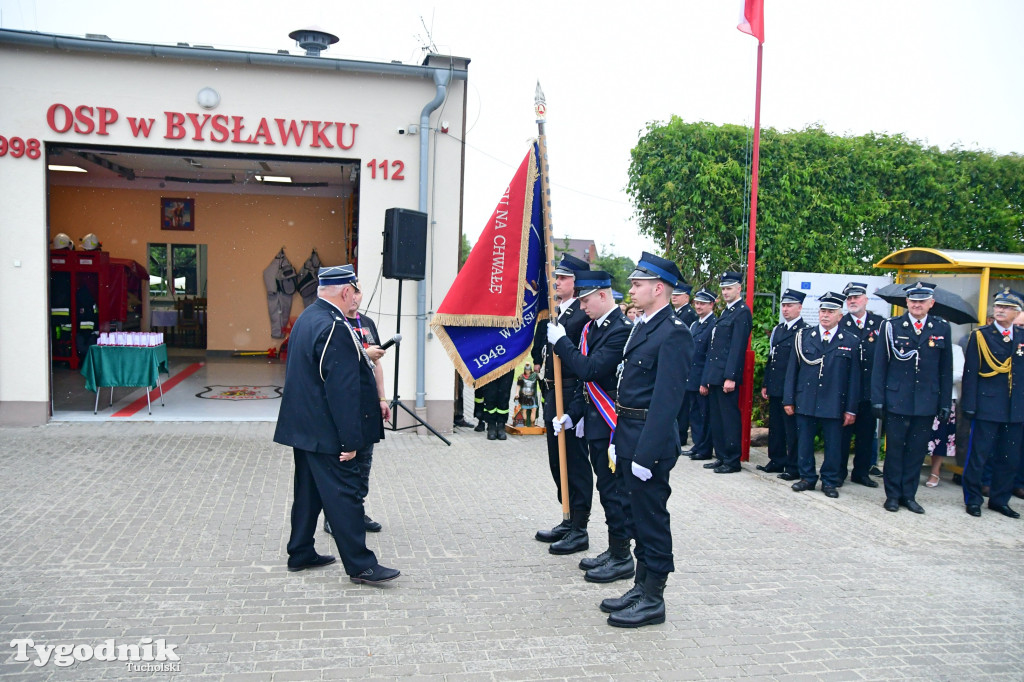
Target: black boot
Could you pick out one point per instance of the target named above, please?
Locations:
(492, 431)
(576, 540)
(629, 598)
(618, 567)
(648, 610)
(555, 534)
(599, 560)
(480, 426)
(499, 431)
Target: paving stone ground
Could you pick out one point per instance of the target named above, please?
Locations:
(177, 531)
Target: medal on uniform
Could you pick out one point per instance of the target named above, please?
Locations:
(1006, 339)
(931, 342)
(905, 323)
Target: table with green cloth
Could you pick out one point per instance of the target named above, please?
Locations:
(124, 366)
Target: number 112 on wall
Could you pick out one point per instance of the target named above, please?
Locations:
(397, 169)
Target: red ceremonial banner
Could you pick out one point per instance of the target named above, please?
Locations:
(490, 288)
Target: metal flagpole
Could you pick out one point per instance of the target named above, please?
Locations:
(747, 397)
(540, 107)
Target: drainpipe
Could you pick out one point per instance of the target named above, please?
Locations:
(441, 80)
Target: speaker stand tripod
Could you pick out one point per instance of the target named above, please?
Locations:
(396, 402)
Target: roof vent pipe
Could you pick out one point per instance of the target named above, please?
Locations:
(313, 40)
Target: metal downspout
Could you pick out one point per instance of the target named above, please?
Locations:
(441, 79)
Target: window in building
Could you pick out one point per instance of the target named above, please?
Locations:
(177, 270)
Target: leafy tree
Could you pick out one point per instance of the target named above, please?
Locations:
(464, 250)
(619, 267)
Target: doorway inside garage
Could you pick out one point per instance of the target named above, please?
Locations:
(202, 248)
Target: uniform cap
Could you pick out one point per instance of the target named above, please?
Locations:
(919, 291)
(705, 296)
(570, 265)
(830, 300)
(729, 279)
(855, 289)
(682, 288)
(656, 267)
(793, 296)
(1011, 298)
(336, 274)
(589, 281)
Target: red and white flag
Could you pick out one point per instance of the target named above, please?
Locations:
(752, 19)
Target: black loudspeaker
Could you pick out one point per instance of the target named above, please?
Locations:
(405, 244)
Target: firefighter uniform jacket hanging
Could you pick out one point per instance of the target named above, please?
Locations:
(280, 280)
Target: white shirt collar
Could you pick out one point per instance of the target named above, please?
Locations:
(914, 322)
(648, 315)
(790, 323)
(860, 321)
(562, 305)
(729, 305)
(599, 321)
(1001, 329)
(832, 333)
(707, 316)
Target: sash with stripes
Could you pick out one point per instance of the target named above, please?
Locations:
(604, 404)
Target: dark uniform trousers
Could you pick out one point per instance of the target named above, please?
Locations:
(609, 489)
(496, 396)
(906, 439)
(577, 459)
(364, 457)
(683, 420)
(320, 476)
(700, 422)
(782, 437)
(831, 431)
(1000, 444)
(647, 516)
(725, 424)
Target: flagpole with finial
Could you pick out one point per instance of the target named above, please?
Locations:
(540, 107)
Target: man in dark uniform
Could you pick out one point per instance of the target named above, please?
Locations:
(596, 362)
(822, 389)
(696, 395)
(911, 385)
(723, 375)
(865, 325)
(993, 399)
(329, 411)
(782, 450)
(581, 476)
(685, 312)
(650, 391)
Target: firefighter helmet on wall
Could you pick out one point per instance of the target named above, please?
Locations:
(91, 242)
(62, 241)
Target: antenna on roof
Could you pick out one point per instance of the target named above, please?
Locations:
(427, 42)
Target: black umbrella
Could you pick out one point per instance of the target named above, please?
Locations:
(947, 304)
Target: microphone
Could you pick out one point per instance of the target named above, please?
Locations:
(397, 338)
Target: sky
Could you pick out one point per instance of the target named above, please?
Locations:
(945, 72)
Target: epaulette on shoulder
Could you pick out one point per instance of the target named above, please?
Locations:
(677, 322)
(936, 318)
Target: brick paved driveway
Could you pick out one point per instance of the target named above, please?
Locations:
(178, 531)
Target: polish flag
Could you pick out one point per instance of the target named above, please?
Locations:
(752, 19)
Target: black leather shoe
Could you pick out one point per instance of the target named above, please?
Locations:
(576, 540)
(713, 464)
(376, 575)
(866, 482)
(727, 469)
(788, 477)
(974, 509)
(648, 610)
(320, 560)
(913, 506)
(803, 485)
(492, 431)
(699, 458)
(461, 422)
(616, 568)
(687, 452)
(771, 468)
(370, 525)
(480, 426)
(555, 534)
(499, 431)
(594, 562)
(892, 505)
(632, 596)
(875, 471)
(1005, 510)
(830, 492)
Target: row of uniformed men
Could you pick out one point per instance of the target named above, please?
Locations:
(625, 386)
(851, 370)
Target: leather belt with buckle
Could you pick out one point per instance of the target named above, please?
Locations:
(630, 412)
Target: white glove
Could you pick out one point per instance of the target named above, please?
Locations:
(579, 429)
(611, 456)
(559, 423)
(555, 332)
(641, 473)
